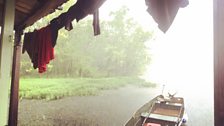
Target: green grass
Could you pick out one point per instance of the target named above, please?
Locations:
(56, 88)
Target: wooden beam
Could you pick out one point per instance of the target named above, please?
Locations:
(41, 12)
(22, 9)
(6, 46)
(1, 14)
(219, 62)
(23, 5)
(14, 96)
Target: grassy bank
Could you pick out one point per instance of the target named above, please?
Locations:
(56, 88)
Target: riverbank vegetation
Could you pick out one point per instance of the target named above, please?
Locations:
(56, 88)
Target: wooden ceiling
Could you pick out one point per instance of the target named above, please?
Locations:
(29, 11)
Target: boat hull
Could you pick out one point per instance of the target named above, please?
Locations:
(139, 118)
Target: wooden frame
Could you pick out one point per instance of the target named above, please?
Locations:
(219, 62)
(6, 47)
(14, 95)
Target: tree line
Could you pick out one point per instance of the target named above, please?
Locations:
(118, 51)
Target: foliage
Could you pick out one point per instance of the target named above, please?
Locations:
(36, 88)
(118, 51)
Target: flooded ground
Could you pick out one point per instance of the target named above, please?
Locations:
(200, 106)
(111, 108)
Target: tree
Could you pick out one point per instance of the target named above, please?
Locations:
(119, 50)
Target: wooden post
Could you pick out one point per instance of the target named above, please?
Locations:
(219, 62)
(14, 96)
(6, 46)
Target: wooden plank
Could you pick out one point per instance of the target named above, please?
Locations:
(6, 46)
(14, 96)
(1, 12)
(22, 9)
(30, 3)
(48, 8)
(24, 5)
(219, 62)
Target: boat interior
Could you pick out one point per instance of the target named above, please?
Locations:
(166, 111)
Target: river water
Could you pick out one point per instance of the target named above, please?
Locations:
(111, 108)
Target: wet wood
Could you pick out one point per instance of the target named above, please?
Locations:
(22, 9)
(219, 62)
(14, 96)
(24, 4)
(48, 8)
(169, 112)
(33, 10)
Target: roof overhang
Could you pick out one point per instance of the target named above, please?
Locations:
(28, 12)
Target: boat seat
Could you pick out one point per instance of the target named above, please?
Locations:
(163, 117)
(151, 124)
(160, 117)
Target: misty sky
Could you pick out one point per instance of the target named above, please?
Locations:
(183, 57)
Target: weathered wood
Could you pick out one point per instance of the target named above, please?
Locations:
(1, 14)
(23, 5)
(48, 8)
(14, 96)
(6, 46)
(22, 9)
(219, 62)
(33, 10)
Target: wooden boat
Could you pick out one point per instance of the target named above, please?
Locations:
(160, 111)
